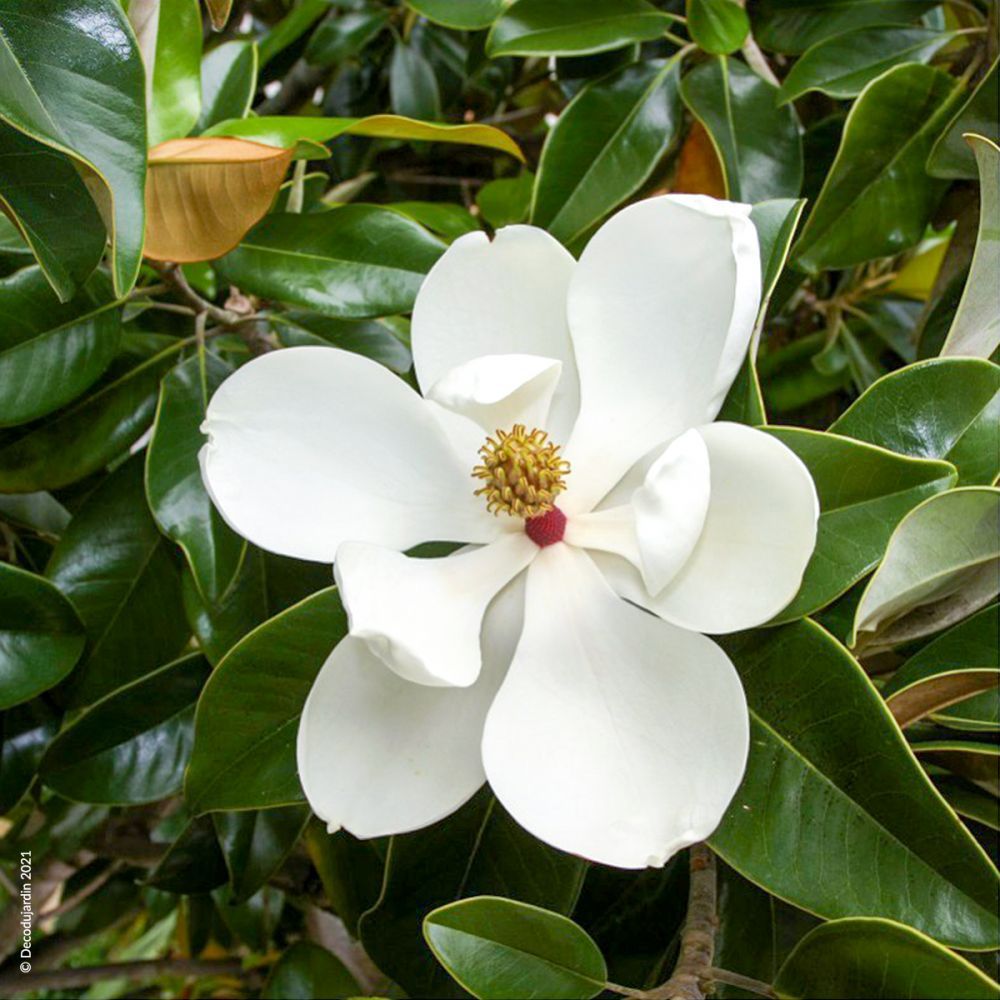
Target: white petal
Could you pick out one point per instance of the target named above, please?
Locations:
(500, 390)
(615, 736)
(658, 528)
(661, 307)
(422, 617)
(759, 534)
(505, 296)
(378, 755)
(313, 446)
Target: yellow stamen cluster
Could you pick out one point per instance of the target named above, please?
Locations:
(522, 472)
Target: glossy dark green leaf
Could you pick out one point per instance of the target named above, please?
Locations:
(462, 14)
(793, 26)
(844, 65)
(507, 200)
(291, 27)
(116, 568)
(41, 636)
(821, 737)
(413, 87)
(573, 27)
(509, 950)
(133, 745)
(963, 661)
(477, 850)
(174, 487)
(228, 82)
(976, 328)
(87, 435)
(940, 408)
(971, 759)
(61, 59)
(864, 491)
(717, 26)
(969, 801)
(775, 222)
(604, 146)
(758, 142)
(441, 217)
(344, 34)
(248, 714)
(951, 155)
(307, 971)
(375, 338)
(193, 863)
(978, 714)
(252, 921)
(255, 843)
(877, 198)
(881, 959)
(25, 732)
(50, 352)
(941, 563)
(353, 262)
(46, 198)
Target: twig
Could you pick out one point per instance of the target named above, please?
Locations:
(328, 930)
(174, 277)
(741, 982)
(12, 980)
(694, 963)
(78, 897)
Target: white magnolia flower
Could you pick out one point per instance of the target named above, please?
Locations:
(526, 658)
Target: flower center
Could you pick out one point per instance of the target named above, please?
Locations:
(522, 472)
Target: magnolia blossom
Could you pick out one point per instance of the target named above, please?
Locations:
(564, 438)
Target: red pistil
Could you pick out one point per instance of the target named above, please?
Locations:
(547, 528)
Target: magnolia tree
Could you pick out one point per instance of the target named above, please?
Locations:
(498, 498)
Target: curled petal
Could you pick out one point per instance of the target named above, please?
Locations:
(615, 736)
(422, 617)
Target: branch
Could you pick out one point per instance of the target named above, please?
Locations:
(12, 980)
(694, 962)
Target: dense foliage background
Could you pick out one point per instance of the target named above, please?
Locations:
(153, 665)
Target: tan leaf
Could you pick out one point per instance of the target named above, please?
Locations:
(698, 168)
(934, 693)
(218, 11)
(204, 194)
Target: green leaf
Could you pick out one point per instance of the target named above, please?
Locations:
(48, 202)
(776, 222)
(864, 491)
(27, 730)
(978, 714)
(573, 27)
(467, 15)
(758, 142)
(255, 844)
(747, 937)
(41, 637)
(877, 198)
(717, 26)
(500, 948)
(963, 661)
(443, 218)
(248, 714)
(940, 408)
(413, 87)
(979, 762)
(308, 972)
(169, 36)
(375, 338)
(344, 34)
(969, 801)
(477, 850)
(506, 201)
(976, 327)
(291, 27)
(792, 26)
(821, 737)
(605, 145)
(844, 65)
(352, 262)
(940, 564)
(951, 155)
(878, 959)
(228, 83)
(289, 131)
(59, 61)
(174, 487)
(86, 436)
(51, 352)
(193, 863)
(133, 745)
(116, 568)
